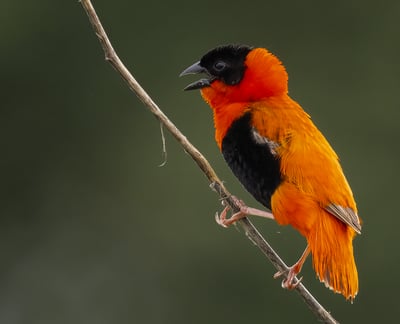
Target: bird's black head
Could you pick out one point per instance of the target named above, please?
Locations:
(225, 63)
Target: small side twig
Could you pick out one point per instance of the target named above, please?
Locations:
(217, 185)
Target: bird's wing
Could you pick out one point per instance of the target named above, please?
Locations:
(346, 215)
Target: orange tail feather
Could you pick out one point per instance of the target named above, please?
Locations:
(332, 252)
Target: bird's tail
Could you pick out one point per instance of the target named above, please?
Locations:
(331, 244)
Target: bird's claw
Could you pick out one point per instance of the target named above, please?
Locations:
(244, 210)
(290, 282)
(225, 222)
(220, 220)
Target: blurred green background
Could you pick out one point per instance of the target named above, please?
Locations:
(94, 231)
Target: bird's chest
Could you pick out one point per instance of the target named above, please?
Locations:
(253, 159)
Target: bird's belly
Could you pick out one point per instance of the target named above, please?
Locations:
(254, 163)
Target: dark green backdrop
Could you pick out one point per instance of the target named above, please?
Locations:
(92, 230)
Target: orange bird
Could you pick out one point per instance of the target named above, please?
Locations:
(281, 158)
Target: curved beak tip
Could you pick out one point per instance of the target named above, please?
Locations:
(193, 69)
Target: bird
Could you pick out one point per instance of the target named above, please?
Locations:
(282, 159)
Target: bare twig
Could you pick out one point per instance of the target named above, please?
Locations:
(216, 184)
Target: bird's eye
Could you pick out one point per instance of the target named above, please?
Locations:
(219, 66)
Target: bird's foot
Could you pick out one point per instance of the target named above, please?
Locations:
(244, 210)
(290, 282)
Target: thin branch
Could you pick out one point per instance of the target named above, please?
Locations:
(215, 183)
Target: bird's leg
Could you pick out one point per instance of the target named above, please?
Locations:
(293, 271)
(243, 212)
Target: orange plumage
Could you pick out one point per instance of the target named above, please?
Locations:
(299, 178)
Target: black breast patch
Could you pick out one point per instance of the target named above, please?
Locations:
(252, 161)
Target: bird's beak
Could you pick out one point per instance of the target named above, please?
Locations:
(193, 69)
(196, 68)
